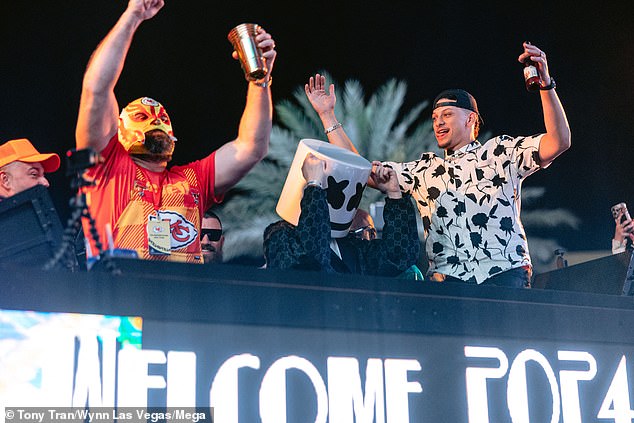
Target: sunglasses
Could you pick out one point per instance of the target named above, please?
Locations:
(359, 233)
(213, 234)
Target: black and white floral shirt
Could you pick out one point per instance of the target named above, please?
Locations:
(470, 205)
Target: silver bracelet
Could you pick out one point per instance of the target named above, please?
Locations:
(314, 183)
(333, 127)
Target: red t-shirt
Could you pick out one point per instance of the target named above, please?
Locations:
(127, 196)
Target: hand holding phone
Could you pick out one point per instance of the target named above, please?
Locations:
(620, 213)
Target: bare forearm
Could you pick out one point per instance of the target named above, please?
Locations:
(236, 158)
(336, 136)
(557, 138)
(98, 108)
(254, 131)
(106, 63)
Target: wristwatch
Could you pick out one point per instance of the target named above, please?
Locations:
(263, 83)
(550, 86)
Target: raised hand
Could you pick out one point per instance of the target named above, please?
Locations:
(313, 168)
(557, 137)
(267, 44)
(323, 102)
(385, 180)
(539, 57)
(145, 9)
(624, 229)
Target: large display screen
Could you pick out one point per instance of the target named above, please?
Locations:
(250, 373)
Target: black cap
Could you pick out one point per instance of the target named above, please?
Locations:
(463, 99)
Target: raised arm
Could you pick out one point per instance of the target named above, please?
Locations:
(235, 158)
(557, 137)
(623, 231)
(399, 247)
(324, 104)
(98, 108)
(307, 246)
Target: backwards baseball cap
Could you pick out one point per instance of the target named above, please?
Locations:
(21, 150)
(460, 98)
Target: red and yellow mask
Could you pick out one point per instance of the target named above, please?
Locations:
(137, 118)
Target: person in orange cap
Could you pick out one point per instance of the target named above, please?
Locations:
(23, 167)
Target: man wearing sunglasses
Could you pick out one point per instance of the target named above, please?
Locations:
(211, 238)
(362, 226)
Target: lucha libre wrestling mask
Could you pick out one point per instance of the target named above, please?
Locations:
(138, 117)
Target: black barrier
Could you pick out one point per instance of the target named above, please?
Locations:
(259, 345)
(606, 275)
(31, 229)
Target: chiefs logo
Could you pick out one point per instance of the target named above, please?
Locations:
(157, 229)
(182, 231)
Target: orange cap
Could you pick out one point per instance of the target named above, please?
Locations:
(23, 151)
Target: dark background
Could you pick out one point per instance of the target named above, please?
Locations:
(182, 58)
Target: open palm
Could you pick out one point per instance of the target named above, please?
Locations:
(321, 100)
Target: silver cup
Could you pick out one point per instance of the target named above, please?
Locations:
(242, 37)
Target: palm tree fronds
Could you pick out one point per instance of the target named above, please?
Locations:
(296, 120)
(548, 219)
(531, 194)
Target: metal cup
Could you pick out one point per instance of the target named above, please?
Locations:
(242, 37)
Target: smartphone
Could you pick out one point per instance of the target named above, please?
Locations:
(620, 209)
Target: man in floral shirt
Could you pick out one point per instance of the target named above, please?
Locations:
(469, 200)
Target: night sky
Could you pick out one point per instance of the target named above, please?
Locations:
(182, 58)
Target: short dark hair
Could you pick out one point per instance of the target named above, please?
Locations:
(211, 215)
